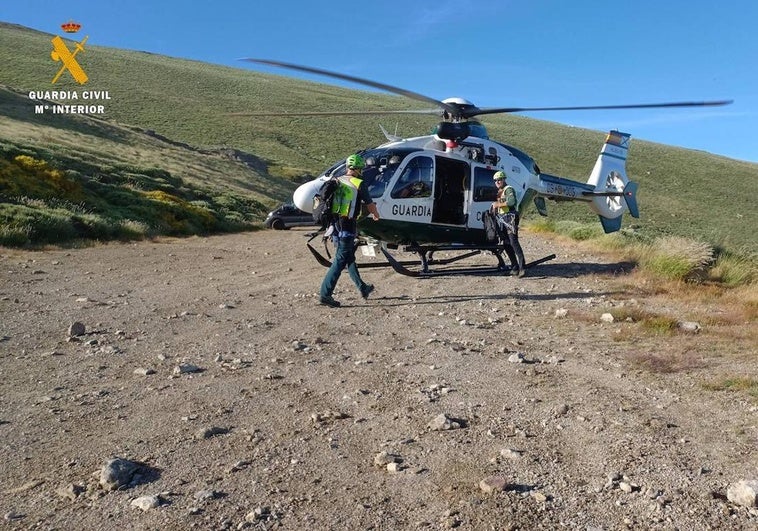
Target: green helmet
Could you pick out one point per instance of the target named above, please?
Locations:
(355, 161)
(498, 175)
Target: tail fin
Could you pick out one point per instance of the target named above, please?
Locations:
(630, 195)
(613, 193)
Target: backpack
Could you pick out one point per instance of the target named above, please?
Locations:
(323, 201)
(490, 226)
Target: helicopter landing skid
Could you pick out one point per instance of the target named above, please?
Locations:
(426, 255)
(426, 259)
(326, 263)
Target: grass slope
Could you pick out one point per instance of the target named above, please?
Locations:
(682, 192)
(71, 177)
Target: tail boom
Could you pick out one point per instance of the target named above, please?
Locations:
(608, 190)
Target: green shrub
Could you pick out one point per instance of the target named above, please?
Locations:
(737, 383)
(28, 176)
(676, 258)
(14, 235)
(130, 229)
(542, 224)
(659, 324)
(53, 226)
(586, 232)
(735, 269)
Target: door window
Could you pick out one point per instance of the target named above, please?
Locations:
(416, 179)
(484, 186)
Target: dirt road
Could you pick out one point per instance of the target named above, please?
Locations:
(479, 403)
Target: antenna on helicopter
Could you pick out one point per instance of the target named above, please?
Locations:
(388, 136)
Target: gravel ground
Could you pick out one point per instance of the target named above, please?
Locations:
(230, 399)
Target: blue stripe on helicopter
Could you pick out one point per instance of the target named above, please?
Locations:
(606, 154)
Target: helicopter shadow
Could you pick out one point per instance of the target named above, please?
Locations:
(542, 272)
(405, 300)
(580, 269)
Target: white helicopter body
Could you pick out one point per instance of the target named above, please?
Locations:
(432, 192)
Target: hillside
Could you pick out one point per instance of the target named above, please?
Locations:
(76, 176)
(682, 192)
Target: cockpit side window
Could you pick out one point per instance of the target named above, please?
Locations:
(416, 180)
(484, 186)
(377, 174)
(337, 170)
(381, 164)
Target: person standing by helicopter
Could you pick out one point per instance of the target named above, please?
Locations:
(348, 197)
(507, 221)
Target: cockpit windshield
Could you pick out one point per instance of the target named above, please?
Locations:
(381, 164)
(478, 130)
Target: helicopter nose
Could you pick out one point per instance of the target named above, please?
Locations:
(303, 196)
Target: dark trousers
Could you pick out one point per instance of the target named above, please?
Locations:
(344, 257)
(508, 227)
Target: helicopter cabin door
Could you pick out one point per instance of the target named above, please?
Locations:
(411, 195)
(451, 179)
(484, 193)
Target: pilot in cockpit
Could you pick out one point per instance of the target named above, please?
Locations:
(383, 174)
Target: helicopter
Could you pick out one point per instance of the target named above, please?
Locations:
(433, 192)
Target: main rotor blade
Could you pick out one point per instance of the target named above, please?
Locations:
(497, 110)
(389, 88)
(434, 112)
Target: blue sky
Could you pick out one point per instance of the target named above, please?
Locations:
(526, 53)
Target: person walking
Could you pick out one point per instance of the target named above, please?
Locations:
(351, 193)
(507, 221)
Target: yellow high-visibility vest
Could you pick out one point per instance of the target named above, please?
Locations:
(509, 193)
(346, 200)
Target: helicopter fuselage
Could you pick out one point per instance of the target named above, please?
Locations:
(431, 190)
(435, 189)
(439, 192)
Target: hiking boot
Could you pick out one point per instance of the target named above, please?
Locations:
(365, 292)
(329, 301)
